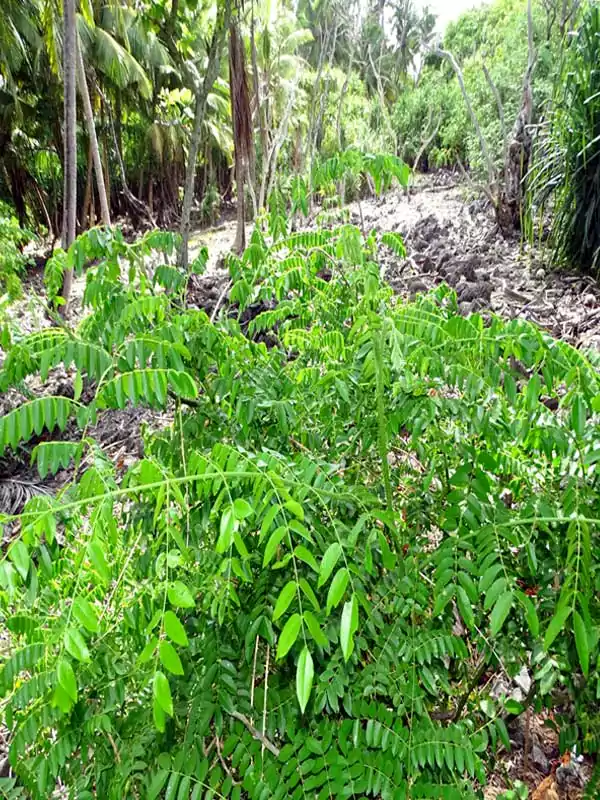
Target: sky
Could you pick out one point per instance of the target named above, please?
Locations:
(448, 10)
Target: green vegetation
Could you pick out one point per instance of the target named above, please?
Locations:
(359, 542)
(568, 165)
(13, 262)
(297, 589)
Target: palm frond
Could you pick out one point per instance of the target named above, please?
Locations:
(118, 64)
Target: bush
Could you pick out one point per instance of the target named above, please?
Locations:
(566, 170)
(297, 589)
(494, 35)
(12, 260)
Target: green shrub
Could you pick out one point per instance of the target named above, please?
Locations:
(566, 171)
(296, 591)
(12, 260)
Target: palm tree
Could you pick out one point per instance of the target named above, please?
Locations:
(19, 37)
(243, 142)
(70, 137)
(202, 93)
(91, 130)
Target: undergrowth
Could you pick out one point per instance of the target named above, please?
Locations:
(366, 517)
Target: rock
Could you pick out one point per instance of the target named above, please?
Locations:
(589, 300)
(479, 304)
(467, 292)
(425, 262)
(416, 285)
(539, 759)
(456, 271)
(444, 257)
(540, 274)
(523, 679)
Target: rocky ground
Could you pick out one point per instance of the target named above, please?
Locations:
(449, 237)
(452, 238)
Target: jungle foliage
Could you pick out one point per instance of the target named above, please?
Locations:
(566, 174)
(361, 507)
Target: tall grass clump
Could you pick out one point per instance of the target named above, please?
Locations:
(566, 172)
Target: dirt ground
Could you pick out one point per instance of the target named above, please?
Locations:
(449, 237)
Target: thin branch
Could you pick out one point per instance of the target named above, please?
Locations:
(133, 201)
(500, 107)
(492, 177)
(426, 140)
(255, 733)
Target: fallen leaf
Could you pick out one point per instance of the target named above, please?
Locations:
(547, 790)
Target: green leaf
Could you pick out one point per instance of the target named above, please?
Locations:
(158, 715)
(157, 784)
(578, 415)
(503, 733)
(182, 384)
(493, 593)
(275, 540)
(174, 629)
(556, 625)
(226, 530)
(169, 658)
(180, 596)
(330, 559)
(465, 608)
(75, 645)
(242, 509)
(85, 613)
(19, 555)
(98, 558)
(337, 588)
(443, 598)
(349, 626)
(296, 509)
(581, 642)
(304, 678)
(288, 635)
(148, 650)
(500, 612)
(77, 385)
(315, 629)
(66, 678)
(531, 616)
(286, 596)
(304, 554)
(161, 692)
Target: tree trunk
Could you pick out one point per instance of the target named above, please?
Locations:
(70, 140)
(241, 116)
(492, 182)
(518, 153)
(210, 76)
(105, 166)
(91, 130)
(119, 120)
(87, 197)
(239, 244)
(264, 143)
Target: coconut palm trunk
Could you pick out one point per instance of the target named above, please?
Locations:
(91, 130)
(241, 116)
(70, 139)
(210, 76)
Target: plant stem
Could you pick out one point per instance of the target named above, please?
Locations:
(382, 437)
